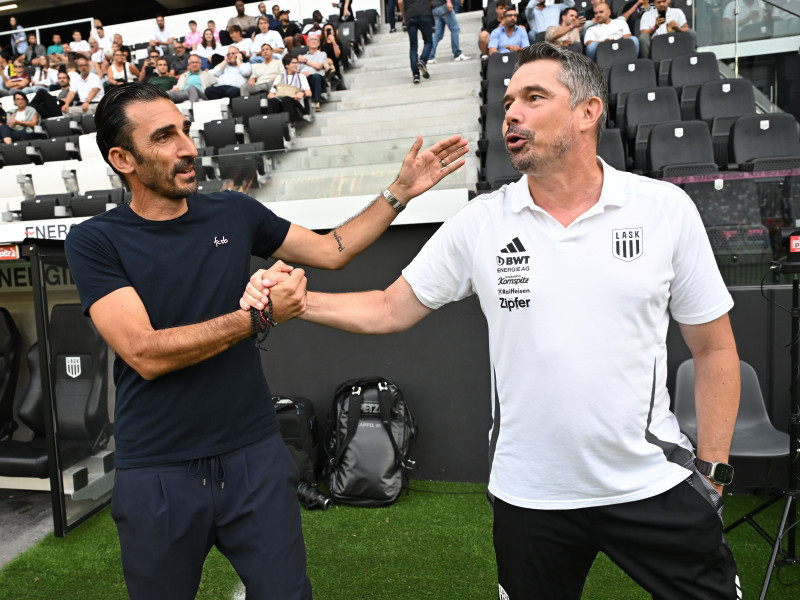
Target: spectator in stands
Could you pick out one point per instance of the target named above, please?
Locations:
(752, 14)
(483, 37)
(20, 122)
(346, 12)
(194, 37)
(14, 77)
(55, 47)
(332, 47)
(314, 65)
(605, 29)
(19, 41)
(180, 60)
(87, 87)
(289, 91)
(63, 85)
(34, 50)
(540, 16)
(103, 40)
(262, 10)
(69, 66)
(664, 19)
(122, 46)
(98, 58)
(263, 73)
(510, 37)
(148, 69)
(568, 31)
(231, 74)
(418, 17)
(444, 16)
(78, 45)
(120, 70)
(317, 22)
(213, 27)
(162, 39)
(266, 36)
(242, 43)
(246, 23)
(192, 84)
(208, 49)
(275, 20)
(162, 78)
(290, 32)
(44, 78)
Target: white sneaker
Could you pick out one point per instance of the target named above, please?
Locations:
(462, 57)
(432, 61)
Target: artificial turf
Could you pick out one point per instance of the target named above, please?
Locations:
(434, 542)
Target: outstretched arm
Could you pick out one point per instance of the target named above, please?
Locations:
(420, 172)
(122, 320)
(395, 309)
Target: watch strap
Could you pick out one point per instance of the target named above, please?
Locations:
(393, 201)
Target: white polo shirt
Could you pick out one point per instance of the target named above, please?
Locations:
(82, 87)
(613, 30)
(648, 20)
(577, 321)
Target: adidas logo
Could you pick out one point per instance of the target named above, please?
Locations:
(513, 248)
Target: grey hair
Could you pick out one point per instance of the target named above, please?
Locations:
(578, 73)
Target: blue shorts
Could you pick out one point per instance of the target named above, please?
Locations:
(244, 502)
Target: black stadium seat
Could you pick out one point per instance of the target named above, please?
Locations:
(242, 163)
(80, 388)
(244, 107)
(268, 130)
(623, 77)
(219, 133)
(664, 48)
(612, 150)
(680, 149)
(765, 142)
(687, 73)
(645, 109)
(615, 51)
(720, 103)
(10, 352)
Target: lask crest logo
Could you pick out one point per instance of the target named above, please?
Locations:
(627, 244)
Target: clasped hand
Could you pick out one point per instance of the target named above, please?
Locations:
(286, 286)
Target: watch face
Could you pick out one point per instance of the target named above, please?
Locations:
(722, 474)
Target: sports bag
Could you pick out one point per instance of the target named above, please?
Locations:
(370, 432)
(301, 435)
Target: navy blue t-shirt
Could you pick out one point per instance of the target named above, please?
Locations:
(185, 270)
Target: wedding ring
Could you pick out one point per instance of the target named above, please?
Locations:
(444, 164)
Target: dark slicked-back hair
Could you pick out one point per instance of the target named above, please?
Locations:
(111, 118)
(578, 73)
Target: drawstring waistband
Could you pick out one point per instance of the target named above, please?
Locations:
(216, 467)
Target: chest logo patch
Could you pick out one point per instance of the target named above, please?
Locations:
(627, 244)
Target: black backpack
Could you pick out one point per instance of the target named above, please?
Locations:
(370, 432)
(301, 435)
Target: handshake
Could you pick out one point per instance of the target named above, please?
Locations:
(286, 286)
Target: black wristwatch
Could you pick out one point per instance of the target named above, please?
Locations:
(719, 473)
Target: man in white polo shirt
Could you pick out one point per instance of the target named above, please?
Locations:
(87, 87)
(578, 267)
(661, 19)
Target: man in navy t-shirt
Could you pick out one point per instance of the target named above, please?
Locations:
(200, 461)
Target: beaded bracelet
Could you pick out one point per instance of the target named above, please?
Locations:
(261, 324)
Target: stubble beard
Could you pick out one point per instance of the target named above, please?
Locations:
(154, 178)
(529, 162)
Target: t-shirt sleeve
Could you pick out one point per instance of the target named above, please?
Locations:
(93, 263)
(698, 292)
(270, 229)
(442, 272)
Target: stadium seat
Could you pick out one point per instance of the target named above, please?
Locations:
(19, 153)
(612, 150)
(10, 353)
(643, 110)
(720, 103)
(497, 170)
(269, 130)
(244, 107)
(500, 66)
(623, 77)
(687, 73)
(45, 207)
(90, 204)
(665, 47)
(615, 51)
(680, 149)
(766, 142)
(224, 132)
(58, 149)
(80, 391)
(87, 123)
(492, 119)
(242, 163)
(60, 127)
